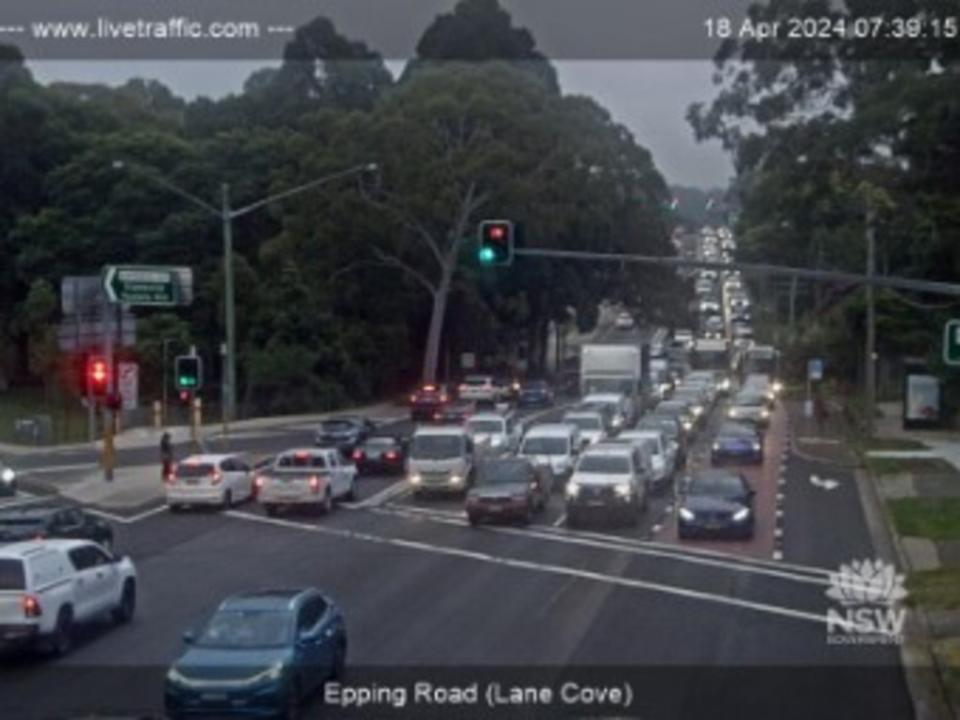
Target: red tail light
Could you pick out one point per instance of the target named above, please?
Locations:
(413, 398)
(258, 481)
(443, 398)
(216, 477)
(31, 607)
(358, 455)
(40, 536)
(437, 416)
(314, 483)
(391, 455)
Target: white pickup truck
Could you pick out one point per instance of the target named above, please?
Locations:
(309, 477)
(48, 587)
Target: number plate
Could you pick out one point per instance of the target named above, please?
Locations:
(595, 503)
(192, 481)
(214, 697)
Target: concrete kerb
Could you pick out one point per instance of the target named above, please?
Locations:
(920, 665)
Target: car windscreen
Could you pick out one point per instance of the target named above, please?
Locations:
(302, 461)
(668, 427)
(503, 471)
(750, 400)
(485, 426)
(584, 422)
(336, 425)
(12, 576)
(194, 470)
(545, 446)
(534, 386)
(738, 431)
(239, 629)
(607, 464)
(475, 380)
(436, 447)
(716, 485)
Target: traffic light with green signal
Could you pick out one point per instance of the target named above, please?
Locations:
(188, 373)
(495, 242)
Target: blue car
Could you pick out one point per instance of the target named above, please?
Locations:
(737, 443)
(261, 654)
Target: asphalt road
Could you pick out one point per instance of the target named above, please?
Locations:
(691, 630)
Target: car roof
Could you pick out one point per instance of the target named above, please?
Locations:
(270, 599)
(38, 509)
(32, 547)
(585, 412)
(714, 472)
(204, 458)
(608, 449)
(489, 415)
(552, 430)
(307, 451)
(641, 433)
(440, 430)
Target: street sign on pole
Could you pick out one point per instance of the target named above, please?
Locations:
(153, 286)
(951, 343)
(128, 384)
(815, 369)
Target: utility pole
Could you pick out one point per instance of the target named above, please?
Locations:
(793, 306)
(870, 375)
(108, 455)
(230, 320)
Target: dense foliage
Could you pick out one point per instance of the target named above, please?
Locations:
(340, 291)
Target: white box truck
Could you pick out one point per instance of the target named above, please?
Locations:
(613, 369)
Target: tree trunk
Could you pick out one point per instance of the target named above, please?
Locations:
(432, 356)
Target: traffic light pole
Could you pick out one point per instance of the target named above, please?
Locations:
(108, 455)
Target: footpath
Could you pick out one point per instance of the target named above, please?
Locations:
(909, 481)
(138, 488)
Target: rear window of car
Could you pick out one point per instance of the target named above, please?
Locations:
(194, 470)
(381, 442)
(12, 575)
(302, 461)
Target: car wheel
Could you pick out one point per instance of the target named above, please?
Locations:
(339, 669)
(291, 702)
(572, 521)
(62, 639)
(271, 510)
(175, 508)
(327, 506)
(528, 515)
(124, 612)
(352, 492)
(227, 500)
(473, 520)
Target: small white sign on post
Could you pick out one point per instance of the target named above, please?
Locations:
(815, 369)
(128, 384)
(468, 361)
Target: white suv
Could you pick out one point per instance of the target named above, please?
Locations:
(480, 387)
(47, 587)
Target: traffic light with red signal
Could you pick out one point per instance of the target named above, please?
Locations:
(496, 238)
(98, 376)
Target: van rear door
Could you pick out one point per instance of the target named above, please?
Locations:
(13, 587)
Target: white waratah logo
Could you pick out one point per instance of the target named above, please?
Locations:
(867, 582)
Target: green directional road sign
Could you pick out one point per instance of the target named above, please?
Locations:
(951, 343)
(142, 285)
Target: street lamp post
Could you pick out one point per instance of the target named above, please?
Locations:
(226, 214)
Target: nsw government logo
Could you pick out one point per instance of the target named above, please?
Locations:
(869, 593)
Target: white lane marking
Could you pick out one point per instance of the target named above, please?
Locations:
(539, 567)
(401, 487)
(127, 520)
(58, 468)
(560, 520)
(615, 543)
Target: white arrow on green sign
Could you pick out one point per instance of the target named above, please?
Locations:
(142, 285)
(951, 343)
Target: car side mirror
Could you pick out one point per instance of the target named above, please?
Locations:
(189, 637)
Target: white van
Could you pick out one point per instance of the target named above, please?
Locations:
(440, 460)
(556, 445)
(493, 433)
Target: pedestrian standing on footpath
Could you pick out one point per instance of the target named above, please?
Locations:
(166, 455)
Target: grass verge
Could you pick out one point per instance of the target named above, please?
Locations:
(934, 589)
(932, 518)
(895, 466)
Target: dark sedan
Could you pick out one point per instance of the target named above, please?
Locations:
(456, 413)
(716, 503)
(737, 443)
(381, 455)
(261, 654)
(535, 393)
(53, 519)
(344, 433)
(508, 488)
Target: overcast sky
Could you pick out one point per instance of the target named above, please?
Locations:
(648, 96)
